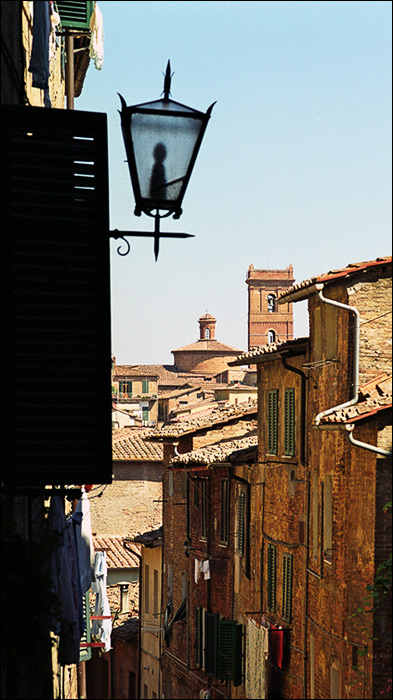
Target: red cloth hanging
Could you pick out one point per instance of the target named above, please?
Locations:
(276, 645)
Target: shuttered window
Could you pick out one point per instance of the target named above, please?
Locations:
(271, 577)
(225, 513)
(241, 523)
(287, 588)
(198, 636)
(272, 421)
(74, 14)
(125, 388)
(211, 643)
(145, 386)
(289, 422)
(229, 651)
(196, 493)
(204, 507)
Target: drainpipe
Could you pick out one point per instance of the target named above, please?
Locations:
(355, 398)
(350, 428)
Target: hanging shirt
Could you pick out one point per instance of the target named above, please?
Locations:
(39, 61)
(84, 542)
(101, 628)
(96, 49)
(276, 642)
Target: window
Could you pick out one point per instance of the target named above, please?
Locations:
(204, 507)
(145, 386)
(271, 336)
(315, 517)
(271, 303)
(125, 388)
(198, 636)
(272, 421)
(155, 592)
(211, 639)
(287, 588)
(327, 518)
(196, 493)
(225, 512)
(312, 667)
(145, 414)
(335, 691)
(241, 523)
(289, 422)
(147, 592)
(207, 333)
(124, 599)
(271, 577)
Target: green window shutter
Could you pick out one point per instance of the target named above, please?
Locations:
(85, 652)
(225, 513)
(129, 388)
(287, 588)
(271, 577)
(211, 641)
(145, 414)
(240, 523)
(272, 421)
(198, 637)
(75, 15)
(229, 651)
(289, 422)
(145, 386)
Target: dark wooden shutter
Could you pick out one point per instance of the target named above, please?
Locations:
(289, 422)
(75, 14)
(211, 642)
(198, 636)
(225, 513)
(272, 406)
(241, 523)
(229, 650)
(204, 506)
(287, 588)
(56, 357)
(271, 577)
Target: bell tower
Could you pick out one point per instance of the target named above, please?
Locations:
(207, 327)
(268, 322)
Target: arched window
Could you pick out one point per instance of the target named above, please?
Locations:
(271, 336)
(207, 333)
(271, 303)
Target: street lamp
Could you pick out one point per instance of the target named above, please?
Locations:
(162, 139)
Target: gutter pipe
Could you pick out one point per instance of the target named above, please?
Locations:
(355, 398)
(349, 427)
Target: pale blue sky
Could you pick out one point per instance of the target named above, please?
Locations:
(295, 165)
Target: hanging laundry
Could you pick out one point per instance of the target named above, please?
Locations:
(206, 568)
(39, 60)
(257, 650)
(84, 542)
(96, 49)
(101, 628)
(196, 570)
(65, 583)
(276, 642)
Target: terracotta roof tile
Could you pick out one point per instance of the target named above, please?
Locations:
(216, 416)
(116, 555)
(148, 538)
(130, 444)
(271, 348)
(374, 396)
(334, 275)
(217, 452)
(208, 346)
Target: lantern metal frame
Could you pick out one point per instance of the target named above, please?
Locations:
(157, 207)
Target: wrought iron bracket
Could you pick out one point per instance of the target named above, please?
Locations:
(157, 234)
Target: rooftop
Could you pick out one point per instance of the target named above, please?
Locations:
(296, 346)
(216, 416)
(117, 556)
(374, 396)
(131, 444)
(303, 289)
(224, 451)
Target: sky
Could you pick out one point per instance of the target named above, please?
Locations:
(294, 167)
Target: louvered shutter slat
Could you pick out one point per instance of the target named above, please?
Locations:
(211, 641)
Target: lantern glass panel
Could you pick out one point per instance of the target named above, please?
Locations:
(163, 148)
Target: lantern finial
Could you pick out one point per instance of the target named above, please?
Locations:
(167, 81)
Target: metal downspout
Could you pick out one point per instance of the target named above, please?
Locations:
(355, 397)
(373, 448)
